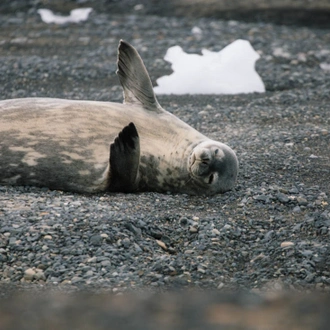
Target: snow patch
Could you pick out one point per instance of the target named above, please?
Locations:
(229, 71)
(76, 16)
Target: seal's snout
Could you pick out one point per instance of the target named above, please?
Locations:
(202, 156)
(205, 156)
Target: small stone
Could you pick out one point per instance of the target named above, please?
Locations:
(296, 209)
(161, 244)
(92, 260)
(196, 30)
(261, 198)
(137, 247)
(183, 221)
(76, 280)
(226, 227)
(286, 244)
(302, 200)
(106, 263)
(96, 240)
(135, 230)
(48, 237)
(29, 274)
(293, 190)
(282, 197)
(126, 242)
(310, 277)
(193, 229)
(201, 270)
(215, 232)
(39, 275)
(189, 252)
(89, 273)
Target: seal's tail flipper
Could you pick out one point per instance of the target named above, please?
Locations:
(135, 79)
(125, 160)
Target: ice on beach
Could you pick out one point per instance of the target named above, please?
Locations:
(229, 71)
(76, 16)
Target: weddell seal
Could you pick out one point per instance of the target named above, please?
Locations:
(90, 147)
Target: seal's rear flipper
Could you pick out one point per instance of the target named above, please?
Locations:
(124, 160)
(135, 79)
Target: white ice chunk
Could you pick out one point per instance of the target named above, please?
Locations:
(76, 16)
(230, 71)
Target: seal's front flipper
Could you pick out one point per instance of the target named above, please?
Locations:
(124, 160)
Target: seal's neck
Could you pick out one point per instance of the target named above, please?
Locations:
(168, 170)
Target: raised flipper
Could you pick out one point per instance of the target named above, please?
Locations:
(125, 160)
(135, 79)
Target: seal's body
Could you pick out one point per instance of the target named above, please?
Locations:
(88, 146)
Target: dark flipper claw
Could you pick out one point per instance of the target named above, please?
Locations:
(124, 160)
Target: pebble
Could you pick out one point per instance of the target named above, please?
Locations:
(189, 251)
(96, 240)
(302, 200)
(282, 198)
(193, 230)
(277, 215)
(161, 244)
(77, 280)
(215, 232)
(286, 244)
(29, 274)
(126, 242)
(226, 227)
(39, 275)
(106, 263)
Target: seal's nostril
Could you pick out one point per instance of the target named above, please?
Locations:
(205, 160)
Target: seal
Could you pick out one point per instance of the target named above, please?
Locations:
(91, 147)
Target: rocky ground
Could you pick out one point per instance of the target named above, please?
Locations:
(270, 234)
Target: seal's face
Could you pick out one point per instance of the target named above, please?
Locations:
(213, 167)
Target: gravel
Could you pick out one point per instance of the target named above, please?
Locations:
(270, 233)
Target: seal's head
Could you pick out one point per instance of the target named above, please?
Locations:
(213, 167)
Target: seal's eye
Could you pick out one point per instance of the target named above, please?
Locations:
(211, 177)
(216, 151)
